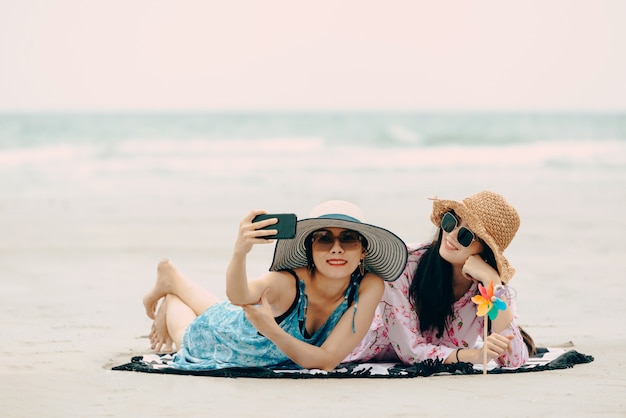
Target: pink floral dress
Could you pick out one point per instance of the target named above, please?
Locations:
(394, 333)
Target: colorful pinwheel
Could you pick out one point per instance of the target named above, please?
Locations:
(489, 302)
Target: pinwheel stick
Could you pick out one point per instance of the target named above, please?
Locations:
(485, 346)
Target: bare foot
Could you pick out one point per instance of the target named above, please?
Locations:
(166, 274)
(160, 339)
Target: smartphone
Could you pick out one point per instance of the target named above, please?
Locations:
(286, 224)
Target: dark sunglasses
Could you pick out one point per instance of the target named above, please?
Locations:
(324, 240)
(449, 222)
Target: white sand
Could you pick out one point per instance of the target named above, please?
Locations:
(76, 263)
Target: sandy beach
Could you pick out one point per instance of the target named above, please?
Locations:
(77, 259)
(63, 334)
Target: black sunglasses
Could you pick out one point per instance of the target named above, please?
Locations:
(449, 222)
(324, 240)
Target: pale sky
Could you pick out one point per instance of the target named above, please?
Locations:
(312, 55)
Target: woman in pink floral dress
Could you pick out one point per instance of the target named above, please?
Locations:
(427, 313)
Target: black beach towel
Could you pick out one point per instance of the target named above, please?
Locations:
(546, 359)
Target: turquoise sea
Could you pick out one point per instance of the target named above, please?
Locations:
(362, 129)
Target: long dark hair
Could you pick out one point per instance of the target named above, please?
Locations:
(431, 291)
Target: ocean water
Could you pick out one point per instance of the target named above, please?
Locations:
(210, 166)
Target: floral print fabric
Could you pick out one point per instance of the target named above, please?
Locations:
(395, 335)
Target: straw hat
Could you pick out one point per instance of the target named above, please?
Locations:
(490, 217)
(386, 253)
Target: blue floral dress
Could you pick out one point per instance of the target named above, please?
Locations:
(222, 337)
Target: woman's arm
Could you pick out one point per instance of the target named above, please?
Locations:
(504, 328)
(517, 354)
(340, 341)
(238, 290)
(475, 268)
(507, 348)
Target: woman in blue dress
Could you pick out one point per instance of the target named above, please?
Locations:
(302, 312)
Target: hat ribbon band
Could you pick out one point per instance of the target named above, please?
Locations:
(339, 216)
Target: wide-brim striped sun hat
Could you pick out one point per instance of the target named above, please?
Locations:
(386, 253)
(491, 218)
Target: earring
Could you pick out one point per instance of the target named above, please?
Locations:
(362, 267)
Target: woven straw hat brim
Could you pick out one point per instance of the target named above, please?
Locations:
(440, 207)
(386, 253)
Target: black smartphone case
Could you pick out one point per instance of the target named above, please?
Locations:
(286, 225)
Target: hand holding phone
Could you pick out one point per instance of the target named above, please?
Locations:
(286, 225)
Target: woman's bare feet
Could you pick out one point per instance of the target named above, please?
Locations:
(166, 275)
(160, 339)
